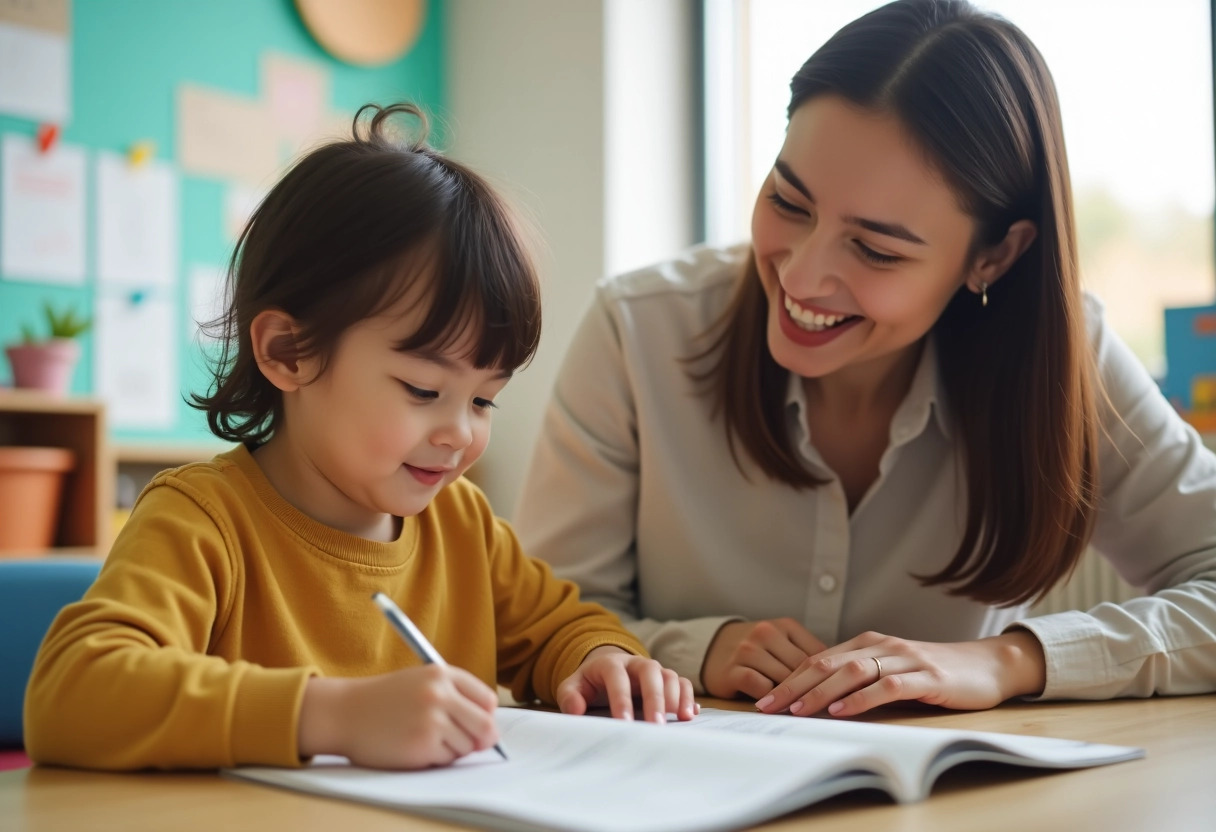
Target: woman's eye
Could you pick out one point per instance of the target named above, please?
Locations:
(420, 393)
(874, 256)
(784, 205)
(483, 404)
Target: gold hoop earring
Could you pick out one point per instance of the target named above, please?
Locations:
(983, 293)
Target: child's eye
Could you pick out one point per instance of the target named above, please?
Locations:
(874, 256)
(483, 404)
(420, 393)
(784, 205)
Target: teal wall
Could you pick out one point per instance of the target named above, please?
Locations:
(128, 58)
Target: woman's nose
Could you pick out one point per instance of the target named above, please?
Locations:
(811, 269)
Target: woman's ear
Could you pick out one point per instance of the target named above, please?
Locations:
(273, 333)
(993, 262)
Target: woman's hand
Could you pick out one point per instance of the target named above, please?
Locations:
(874, 669)
(409, 719)
(609, 675)
(749, 657)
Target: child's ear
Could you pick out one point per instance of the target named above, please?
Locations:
(273, 333)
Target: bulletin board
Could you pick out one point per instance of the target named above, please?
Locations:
(190, 105)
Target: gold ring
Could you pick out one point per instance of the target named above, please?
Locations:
(877, 664)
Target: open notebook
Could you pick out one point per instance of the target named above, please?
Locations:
(723, 770)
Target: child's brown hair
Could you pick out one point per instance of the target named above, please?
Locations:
(348, 232)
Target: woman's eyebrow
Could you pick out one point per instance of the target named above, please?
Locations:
(890, 229)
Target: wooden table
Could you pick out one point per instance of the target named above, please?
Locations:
(1173, 789)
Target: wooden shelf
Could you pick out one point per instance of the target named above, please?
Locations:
(32, 401)
(167, 454)
(32, 418)
(90, 552)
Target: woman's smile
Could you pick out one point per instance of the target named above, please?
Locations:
(808, 327)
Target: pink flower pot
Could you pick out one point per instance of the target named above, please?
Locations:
(31, 491)
(45, 365)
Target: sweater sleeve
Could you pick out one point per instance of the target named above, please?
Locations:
(123, 679)
(544, 631)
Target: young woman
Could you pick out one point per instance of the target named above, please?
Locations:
(832, 469)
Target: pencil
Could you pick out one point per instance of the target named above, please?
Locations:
(414, 638)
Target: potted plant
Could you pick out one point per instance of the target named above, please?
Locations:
(47, 363)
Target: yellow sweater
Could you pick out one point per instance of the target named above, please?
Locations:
(219, 600)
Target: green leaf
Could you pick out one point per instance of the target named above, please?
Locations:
(65, 324)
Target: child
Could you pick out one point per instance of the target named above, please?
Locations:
(382, 299)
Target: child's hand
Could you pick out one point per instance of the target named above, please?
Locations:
(412, 718)
(612, 676)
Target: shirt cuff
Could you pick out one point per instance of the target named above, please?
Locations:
(1077, 662)
(682, 645)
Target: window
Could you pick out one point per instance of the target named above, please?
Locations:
(1135, 87)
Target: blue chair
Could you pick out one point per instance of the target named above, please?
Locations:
(31, 594)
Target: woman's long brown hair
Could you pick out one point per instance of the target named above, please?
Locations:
(974, 92)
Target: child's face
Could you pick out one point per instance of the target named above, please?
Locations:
(381, 431)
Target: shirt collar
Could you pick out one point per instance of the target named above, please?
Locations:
(926, 395)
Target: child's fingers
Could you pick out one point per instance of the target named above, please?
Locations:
(474, 689)
(571, 697)
(572, 702)
(652, 687)
(472, 712)
(688, 703)
(474, 724)
(671, 692)
(458, 739)
(618, 687)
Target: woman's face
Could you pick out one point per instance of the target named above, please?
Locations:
(859, 242)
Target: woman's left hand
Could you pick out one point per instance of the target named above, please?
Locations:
(873, 669)
(610, 676)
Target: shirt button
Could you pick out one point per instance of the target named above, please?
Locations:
(827, 583)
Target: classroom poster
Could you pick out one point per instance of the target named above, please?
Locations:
(135, 368)
(226, 136)
(297, 92)
(208, 301)
(137, 216)
(240, 201)
(35, 60)
(42, 211)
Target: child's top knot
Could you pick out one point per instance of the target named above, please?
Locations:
(377, 131)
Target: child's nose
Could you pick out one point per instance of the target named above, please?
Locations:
(456, 431)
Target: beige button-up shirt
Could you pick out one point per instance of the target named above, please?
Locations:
(633, 493)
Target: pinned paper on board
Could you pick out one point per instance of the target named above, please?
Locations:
(252, 140)
(42, 211)
(208, 301)
(297, 92)
(137, 212)
(226, 136)
(240, 201)
(35, 59)
(135, 368)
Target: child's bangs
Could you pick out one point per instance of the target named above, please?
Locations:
(484, 298)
